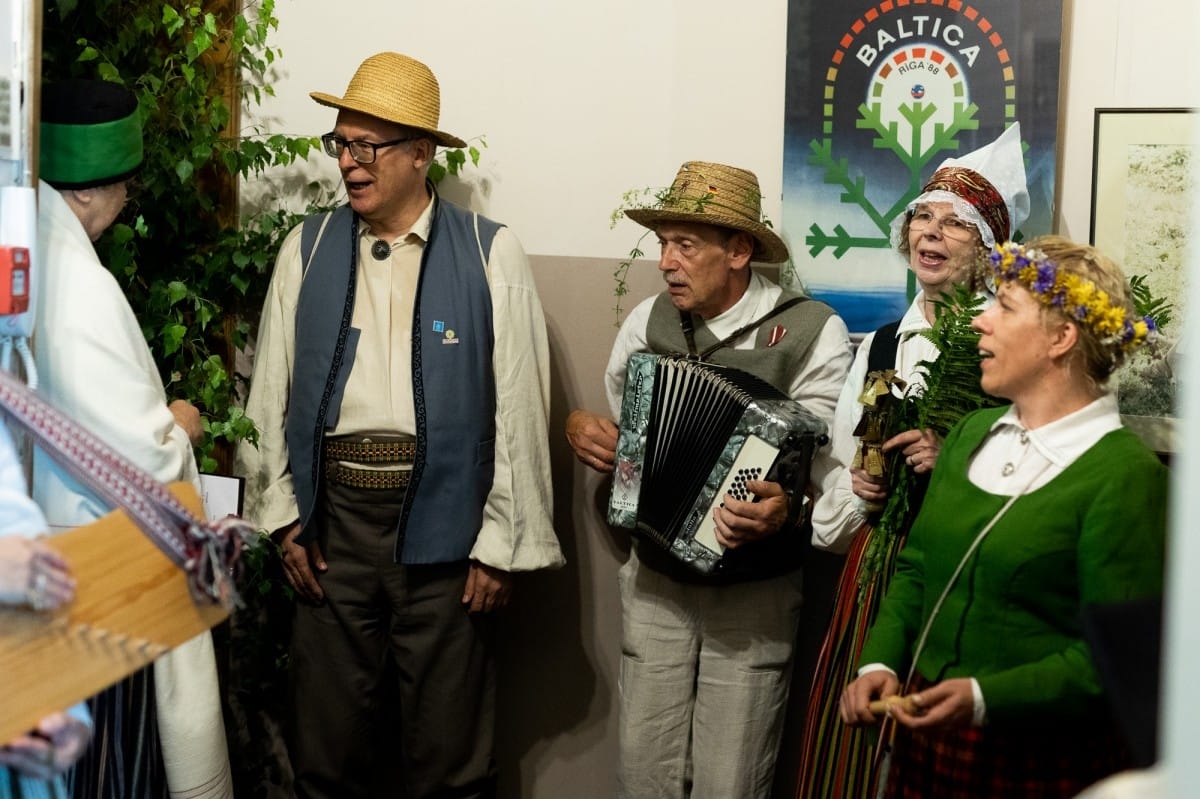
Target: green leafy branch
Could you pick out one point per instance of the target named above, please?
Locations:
(451, 161)
(1146, 304)
(951, 391)
(633, 198)
(192, 269)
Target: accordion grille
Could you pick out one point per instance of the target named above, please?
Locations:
(696, 408)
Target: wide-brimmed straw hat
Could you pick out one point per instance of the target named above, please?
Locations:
(398, 89)
(720, 195)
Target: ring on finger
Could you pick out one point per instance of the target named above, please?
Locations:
(35, 594)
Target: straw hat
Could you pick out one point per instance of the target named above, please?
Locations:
(715, 194)
(398, 89)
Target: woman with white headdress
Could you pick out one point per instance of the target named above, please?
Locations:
(946, 233)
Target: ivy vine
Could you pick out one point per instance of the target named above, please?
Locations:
(196, 270)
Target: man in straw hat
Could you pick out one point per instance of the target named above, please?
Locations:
(705, 664)
(162, 728)
(401, 387)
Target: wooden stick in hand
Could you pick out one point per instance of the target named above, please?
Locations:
(880, 706)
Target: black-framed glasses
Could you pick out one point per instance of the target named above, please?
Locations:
(363, 152)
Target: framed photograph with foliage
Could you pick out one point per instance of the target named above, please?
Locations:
(1143, 182)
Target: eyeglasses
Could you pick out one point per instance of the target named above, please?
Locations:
(364, 152)
(951, 226)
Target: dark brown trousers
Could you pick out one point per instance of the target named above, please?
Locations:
(392, 681)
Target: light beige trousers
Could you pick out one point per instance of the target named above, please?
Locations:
(704, 682)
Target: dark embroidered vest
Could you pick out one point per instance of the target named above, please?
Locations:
(453, 385)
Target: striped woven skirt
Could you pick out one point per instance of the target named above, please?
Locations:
(837, 762)
(15, 786)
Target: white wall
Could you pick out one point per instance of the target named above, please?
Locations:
(1117, 54)
(579, 102)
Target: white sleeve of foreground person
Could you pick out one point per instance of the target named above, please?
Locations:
(1135, 784)
(190, 725)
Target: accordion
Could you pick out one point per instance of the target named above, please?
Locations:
(692, 432)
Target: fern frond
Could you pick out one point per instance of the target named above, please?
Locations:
(951, 391)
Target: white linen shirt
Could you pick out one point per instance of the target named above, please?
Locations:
(94, 365)
(1038, 456)
(517, 532)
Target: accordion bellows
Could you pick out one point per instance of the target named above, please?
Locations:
(692, 432)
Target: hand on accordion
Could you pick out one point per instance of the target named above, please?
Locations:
(740, 522)
(593, 438)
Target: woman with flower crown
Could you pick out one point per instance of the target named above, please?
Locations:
(1033, 512)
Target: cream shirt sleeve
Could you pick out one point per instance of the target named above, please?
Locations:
(518, 532)
(631, 338)
(820, 380)
(817, 384)
(270, 498)
(839, 512)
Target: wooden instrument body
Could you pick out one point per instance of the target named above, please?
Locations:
(132, 604)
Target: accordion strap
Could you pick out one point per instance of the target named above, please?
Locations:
(207, 551)
(689, 329)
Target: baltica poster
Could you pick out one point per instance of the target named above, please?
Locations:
(878, 95)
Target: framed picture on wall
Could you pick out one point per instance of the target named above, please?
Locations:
(1143, 187)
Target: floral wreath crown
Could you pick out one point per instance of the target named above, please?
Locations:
(1077, 297)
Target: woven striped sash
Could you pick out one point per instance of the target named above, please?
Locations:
(208, 551)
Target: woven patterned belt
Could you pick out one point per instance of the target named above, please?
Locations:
(366, 478)
(345, 449)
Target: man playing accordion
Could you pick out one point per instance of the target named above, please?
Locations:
(706, 660)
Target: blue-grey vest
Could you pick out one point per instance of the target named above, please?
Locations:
(454, 392)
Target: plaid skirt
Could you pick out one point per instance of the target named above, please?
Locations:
(1046, 762)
